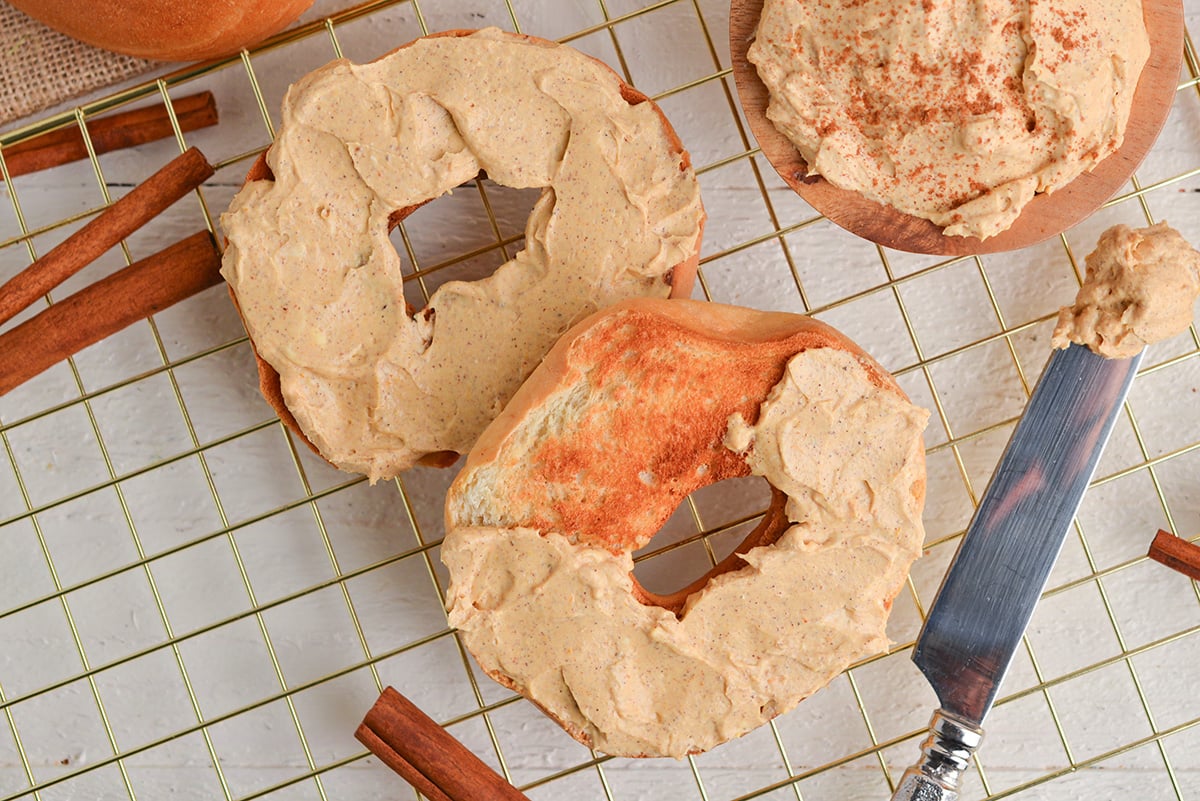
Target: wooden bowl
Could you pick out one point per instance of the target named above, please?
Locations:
(1046, 215)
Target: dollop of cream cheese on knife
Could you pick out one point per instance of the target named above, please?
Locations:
(1140, 288)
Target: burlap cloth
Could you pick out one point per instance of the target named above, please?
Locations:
(40, 67)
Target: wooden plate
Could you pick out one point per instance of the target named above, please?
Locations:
(1046, 215)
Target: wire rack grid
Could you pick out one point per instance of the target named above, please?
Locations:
(191, 603)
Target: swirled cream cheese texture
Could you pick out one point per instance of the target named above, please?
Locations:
(1140, 288)
(958, 112)
(560, 622)
(319, 283)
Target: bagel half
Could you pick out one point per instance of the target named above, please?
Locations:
(633, 409)
(675, 282)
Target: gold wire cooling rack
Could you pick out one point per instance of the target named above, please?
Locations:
(192, 605)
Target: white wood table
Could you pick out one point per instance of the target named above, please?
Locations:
(192, 605)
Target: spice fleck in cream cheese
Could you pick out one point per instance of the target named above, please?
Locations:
(1140, 287)
(953, 111)
(558, 619)
(318, 282)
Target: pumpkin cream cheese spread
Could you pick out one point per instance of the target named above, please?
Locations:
(319, 284)
(958, 112)
(1140, 287)
(557, 619)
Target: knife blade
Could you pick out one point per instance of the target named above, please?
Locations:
(988, 595)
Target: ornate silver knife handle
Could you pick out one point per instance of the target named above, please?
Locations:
(947, 751)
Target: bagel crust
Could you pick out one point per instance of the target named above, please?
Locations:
(373, 386)
(633, 409)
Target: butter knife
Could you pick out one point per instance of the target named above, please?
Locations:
(1000, 569)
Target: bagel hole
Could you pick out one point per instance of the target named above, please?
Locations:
(677, 555)
(433, 253)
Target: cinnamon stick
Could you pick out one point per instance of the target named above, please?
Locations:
(128, 295)
(409, 742)
(144, 202)
(1176, 553)
(125, 129)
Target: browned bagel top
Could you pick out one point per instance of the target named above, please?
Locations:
(167, 30)
(657, 423)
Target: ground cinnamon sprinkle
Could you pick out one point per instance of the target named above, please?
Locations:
(920, 68)
(1062, 38)
(827, 128)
